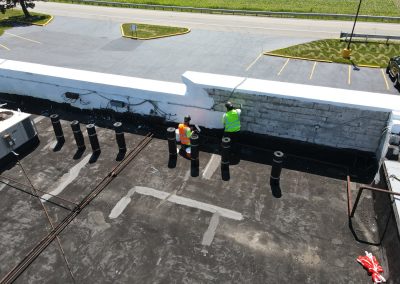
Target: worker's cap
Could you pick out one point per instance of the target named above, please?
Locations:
(229, 105)
(187, 118)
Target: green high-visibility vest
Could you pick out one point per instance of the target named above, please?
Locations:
(232, 121)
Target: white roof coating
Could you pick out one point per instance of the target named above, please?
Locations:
(327, 95)
(392, 169)
(16, 118)
(95, 77)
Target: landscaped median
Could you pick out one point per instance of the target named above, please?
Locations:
(145, 31)
(11, 18)
(371, 53)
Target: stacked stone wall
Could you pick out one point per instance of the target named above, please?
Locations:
(314, 122)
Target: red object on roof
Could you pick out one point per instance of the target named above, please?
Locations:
(370, 263)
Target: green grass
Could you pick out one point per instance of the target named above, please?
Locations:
(368, 7)
(363, 53)
(16, 17)
(149, 31)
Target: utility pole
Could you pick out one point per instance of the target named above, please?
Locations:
(347, 51)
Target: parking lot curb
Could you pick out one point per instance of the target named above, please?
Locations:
(155, 37)
(41, 25)
(296, 57)
(369, 66)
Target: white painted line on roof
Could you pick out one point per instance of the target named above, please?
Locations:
(186, 177)
(179, 190)
(212, 165)
(49, 146)
(121, 205)
(67, 178)
(283, 67)
(21, 37)
(254, 62)
(38, 119)
(384, 78)
(312, 71)
(210, 233)
(5, 47)
(3, 185)
(189, 202)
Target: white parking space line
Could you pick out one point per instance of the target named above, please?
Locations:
(349, 78)
(21, 37)
(384, 78)
(312, 71)
(283, 67)
(5, 47)
(254, 62)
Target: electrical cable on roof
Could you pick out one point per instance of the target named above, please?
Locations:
(395, 177)
(231, 94)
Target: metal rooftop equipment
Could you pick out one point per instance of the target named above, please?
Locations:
(16, 129)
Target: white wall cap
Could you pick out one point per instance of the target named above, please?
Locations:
(209, 80)
(95, 77)
(396, 115)
(342, 97)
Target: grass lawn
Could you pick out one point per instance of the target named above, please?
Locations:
(16, 17)
(363, 53)
(144, 31)
(368, 7)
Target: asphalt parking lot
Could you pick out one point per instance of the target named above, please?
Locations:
(97, 45)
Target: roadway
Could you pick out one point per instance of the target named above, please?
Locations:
(248, 24)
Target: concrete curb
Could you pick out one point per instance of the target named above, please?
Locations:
(155, 37)
(318, 60)
(296, 57)
(40, 25)
(369, 66)
(47, 22)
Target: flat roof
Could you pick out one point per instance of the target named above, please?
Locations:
(156, 224)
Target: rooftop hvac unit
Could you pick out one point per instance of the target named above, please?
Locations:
(16, 129)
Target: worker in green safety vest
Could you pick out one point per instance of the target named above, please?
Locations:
(231, 122)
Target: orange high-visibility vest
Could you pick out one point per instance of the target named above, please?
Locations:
(183, 134)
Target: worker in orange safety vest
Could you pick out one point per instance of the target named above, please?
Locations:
(185, 132)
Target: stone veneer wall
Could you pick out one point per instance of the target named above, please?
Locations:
(319, 123)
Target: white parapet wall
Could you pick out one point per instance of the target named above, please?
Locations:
(325, 116)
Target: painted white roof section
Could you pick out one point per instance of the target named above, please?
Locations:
(396, 115)
(396, 126)
(95, 77)
(393, 168)
(16, 118)
(349, 98)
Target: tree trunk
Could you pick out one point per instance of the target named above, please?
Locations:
(24, 9)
